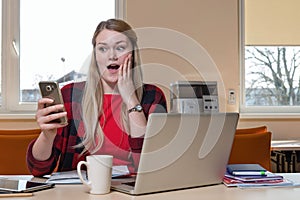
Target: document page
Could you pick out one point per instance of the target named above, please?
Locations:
(71, 177)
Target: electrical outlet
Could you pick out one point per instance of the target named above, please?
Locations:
(231, 97)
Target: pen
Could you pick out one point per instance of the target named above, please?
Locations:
(249, 173)
(21, 194)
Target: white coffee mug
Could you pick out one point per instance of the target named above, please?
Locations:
(99, 171)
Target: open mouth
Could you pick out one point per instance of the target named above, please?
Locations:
(115, 67)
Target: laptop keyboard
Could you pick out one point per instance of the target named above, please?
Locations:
(130, 183)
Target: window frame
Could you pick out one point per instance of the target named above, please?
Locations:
(11, 107)
(257, 111)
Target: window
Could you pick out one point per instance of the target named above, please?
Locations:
(46, 40)
(1, 56)
(271, 57)
(272, 76)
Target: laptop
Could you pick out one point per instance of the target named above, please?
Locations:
(182, 151)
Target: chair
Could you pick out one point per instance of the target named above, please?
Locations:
(252, 148)
(259, 129)
(13, 147)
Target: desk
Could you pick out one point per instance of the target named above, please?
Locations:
(285, 145)
(217, 192)
(286, 150)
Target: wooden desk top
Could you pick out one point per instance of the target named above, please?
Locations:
(285, 145)
(217, 192)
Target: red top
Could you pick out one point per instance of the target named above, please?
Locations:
(116, 139)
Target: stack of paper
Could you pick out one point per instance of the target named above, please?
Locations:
(71, 177)
(252, 175)
(66, 177)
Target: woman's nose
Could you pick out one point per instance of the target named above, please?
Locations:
(112, 55)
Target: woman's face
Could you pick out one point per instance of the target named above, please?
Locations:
(112, 48)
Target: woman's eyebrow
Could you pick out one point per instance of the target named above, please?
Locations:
(101, 43)
(121, 41)
(118, 42)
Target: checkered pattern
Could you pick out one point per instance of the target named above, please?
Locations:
(63, 148)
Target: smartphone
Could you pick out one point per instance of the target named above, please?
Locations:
(50, 89)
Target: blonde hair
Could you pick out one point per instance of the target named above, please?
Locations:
(92, 100)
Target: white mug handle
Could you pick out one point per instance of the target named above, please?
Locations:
(80, 174)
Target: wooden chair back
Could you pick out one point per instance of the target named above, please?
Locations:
(252, 148)
(259, 129)
(13, 147)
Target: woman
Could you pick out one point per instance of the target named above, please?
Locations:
(107, 114)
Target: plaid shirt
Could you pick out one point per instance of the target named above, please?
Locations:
(63, 147)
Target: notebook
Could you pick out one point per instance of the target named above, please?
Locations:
(182, 151)
(246, 169)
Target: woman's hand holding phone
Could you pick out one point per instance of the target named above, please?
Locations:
(51, 112)
(46, 117)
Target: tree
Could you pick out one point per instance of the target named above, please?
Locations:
(272, 76)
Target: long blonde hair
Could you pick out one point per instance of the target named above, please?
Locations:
(92, 100)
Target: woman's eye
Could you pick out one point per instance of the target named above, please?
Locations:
(120, 48)
(102, 49)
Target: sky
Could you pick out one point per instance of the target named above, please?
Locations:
(56, 36)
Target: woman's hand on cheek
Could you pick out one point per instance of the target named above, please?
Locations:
(125, 83)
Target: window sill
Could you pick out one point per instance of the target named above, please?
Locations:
(269, 115)
(31, 115)
(17, 115)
